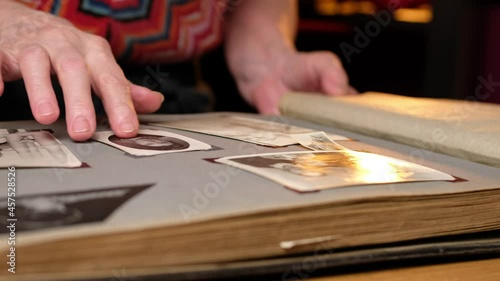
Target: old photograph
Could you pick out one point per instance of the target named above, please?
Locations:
(34, 148)
(312, 171)
(317, 141)
(246, 129)
(151, 142)
(41, 211)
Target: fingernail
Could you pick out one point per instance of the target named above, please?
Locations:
(81, 125)
(162, 96)
(127, 127)
(45, 108)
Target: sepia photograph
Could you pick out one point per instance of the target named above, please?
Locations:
(151, 142)
(34, 148)
(312, 171)
(246, 129)
(317, 141)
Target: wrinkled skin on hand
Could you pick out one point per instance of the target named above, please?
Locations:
(35, 45)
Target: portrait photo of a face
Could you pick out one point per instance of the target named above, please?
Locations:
(150, 142)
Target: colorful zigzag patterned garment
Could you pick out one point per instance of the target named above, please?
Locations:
(146, 31)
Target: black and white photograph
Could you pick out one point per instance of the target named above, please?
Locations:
(34, 148)
(41, 211)
(312, 171)
(151, 142)
(246, 129)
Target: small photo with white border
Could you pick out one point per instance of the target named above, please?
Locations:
(151, 142)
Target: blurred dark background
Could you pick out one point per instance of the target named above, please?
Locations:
(429, 48)
(432, 48)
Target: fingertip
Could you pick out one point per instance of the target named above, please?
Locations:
(266, 108)
(126, 129)
(47, 120)
(46, 112)
(124, 123)
(266, 97)
(334, 85)
(81, 129)
(270, 111)
(161, 96)
(273, 113)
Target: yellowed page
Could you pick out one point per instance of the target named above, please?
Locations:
(464, 129)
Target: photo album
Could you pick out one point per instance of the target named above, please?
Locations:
(197, 195)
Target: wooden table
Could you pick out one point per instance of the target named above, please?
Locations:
(483, 270)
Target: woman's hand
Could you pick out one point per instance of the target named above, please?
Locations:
(262, 57)
(34, 45)
(318, 72)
